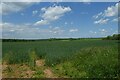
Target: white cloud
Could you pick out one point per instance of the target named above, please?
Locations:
(115, 20)
(97, 16)
(88, 3)
(43, 9)
(116, 32)
(53, 13)
(73, 30)
(12, 30)
(101, 21)
(10, 27)
(103, 30)
(93, 32)
(56, 30)
(23, 31)
(0, 30)
(111, 11)
(34, 12)
(41, 22)
(86, 0)
(9, 7)
(22, 0)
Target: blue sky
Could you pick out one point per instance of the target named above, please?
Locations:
(59, 20)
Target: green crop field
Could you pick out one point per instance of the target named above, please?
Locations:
(67, 58)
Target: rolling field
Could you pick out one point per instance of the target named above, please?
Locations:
(75, 58)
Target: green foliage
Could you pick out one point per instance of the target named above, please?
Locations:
(76, 58)
(67, 69)
(16, 58)
(113, 37)
(54, 52)
(93, 62)
(38, 74)
(98, 62)
(32, 58)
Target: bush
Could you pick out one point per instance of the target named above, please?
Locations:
(98, 62)
(93, 62)
(113, 37)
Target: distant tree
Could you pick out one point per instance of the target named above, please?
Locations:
(113, 37)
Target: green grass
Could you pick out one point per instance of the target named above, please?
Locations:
(53, 51)
(76, 58)
(96, 62)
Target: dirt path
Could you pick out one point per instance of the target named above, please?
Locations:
(16, 71)
(40, 63)
(24, 71)
(47, 71)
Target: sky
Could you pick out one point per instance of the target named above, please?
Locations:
(43, 20)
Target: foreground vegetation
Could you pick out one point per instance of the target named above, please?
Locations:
(96, 62)
(66, 58)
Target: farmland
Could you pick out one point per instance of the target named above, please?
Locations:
(65, 58)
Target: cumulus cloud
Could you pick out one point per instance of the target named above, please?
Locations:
(73, 30)
(9, 7)
(101, 21)
(110, 12)
(52, 13)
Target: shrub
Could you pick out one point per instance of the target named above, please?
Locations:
(98, 62)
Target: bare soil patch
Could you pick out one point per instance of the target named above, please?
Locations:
(48, 73)
(40, 63)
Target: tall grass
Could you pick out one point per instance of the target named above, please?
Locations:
(95, 62)
(32, 58)
(54, 52)
(98, 62)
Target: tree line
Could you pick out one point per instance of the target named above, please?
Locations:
(112, 37)
(51, 39)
